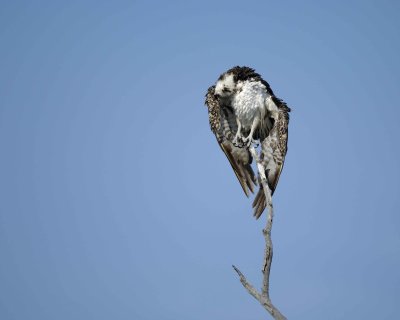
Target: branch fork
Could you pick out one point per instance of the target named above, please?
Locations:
(263, 297)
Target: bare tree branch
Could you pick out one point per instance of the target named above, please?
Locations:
(263, 297)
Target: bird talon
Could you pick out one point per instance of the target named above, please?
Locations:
(248, 141)
(239, 144)
(238, 141)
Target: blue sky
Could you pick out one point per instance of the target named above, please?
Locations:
(117, 202)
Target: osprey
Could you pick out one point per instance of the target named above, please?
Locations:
(243, 109)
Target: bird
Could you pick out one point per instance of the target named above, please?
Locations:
(243, 111)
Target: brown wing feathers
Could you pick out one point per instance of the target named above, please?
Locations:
(273, 152)
(244, 173)
(223, 124)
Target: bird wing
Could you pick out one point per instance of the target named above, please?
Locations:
(223, 125)
(273, 152)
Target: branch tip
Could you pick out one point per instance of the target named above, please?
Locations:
(238, 271)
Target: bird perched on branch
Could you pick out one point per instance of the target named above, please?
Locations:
(242, 110)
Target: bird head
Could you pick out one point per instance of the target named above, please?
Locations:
(225, 87)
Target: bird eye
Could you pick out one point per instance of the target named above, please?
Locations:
(225, 90)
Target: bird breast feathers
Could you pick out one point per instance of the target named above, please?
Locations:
(250, 101)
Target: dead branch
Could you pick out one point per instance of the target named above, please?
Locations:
(263, 297)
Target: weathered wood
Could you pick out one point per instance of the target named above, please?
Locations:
(263, 297)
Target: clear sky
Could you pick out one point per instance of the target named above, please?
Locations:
(116, 201)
